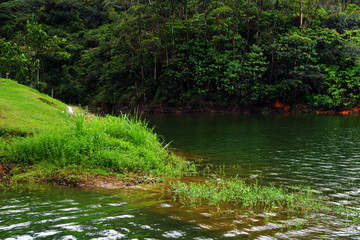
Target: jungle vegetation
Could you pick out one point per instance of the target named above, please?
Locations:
(176, 52)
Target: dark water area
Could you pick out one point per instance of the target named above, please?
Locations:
(320, 151)
(317, 150)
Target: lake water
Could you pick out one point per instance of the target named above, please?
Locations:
(320, 151)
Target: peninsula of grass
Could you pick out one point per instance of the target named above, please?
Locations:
(41, 143)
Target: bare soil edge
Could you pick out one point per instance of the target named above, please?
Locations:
(86, 180)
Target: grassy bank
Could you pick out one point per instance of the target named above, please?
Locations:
(23, 109)
(41, 143)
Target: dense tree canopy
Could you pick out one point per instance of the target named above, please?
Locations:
(246, 52)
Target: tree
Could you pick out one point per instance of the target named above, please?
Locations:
(255, 67)
(38, 45)
(13, 63)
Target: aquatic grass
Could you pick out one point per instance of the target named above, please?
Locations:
(234, 193)
(116, 144)
(249, 195)
(351, 214)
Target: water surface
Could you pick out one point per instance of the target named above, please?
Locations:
(320, 151)
(68, 213)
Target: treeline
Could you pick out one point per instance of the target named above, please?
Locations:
(178, 52)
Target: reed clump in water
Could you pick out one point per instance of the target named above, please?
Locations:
(240, 193)
(235, 193)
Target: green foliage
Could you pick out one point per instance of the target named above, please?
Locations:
(183, 52)
(13, 63)
(38, 45)
(255, 67)
(343, 88)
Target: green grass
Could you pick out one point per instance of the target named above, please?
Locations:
(116, 144)
(23, 109)
(250, 195)
(63, 147)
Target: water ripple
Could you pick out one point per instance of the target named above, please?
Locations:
(113, 217)
(174, 234)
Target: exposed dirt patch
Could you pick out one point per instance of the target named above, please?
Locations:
(5, 170)
(47, 102)
(1, 82)
(112, 182)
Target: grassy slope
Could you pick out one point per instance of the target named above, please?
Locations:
(24, 109)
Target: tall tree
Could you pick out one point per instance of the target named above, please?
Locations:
(38, 45)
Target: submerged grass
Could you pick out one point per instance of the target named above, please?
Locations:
(234, 194)
(250, 195)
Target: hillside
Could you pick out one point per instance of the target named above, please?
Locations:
(184, 54)
(25, 109)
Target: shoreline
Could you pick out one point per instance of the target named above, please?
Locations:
(85, 179)
(275, 108)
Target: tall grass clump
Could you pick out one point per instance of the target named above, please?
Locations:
(235, 194)
(117, 144)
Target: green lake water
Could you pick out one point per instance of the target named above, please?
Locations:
(320, 151)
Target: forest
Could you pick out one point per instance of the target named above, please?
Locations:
(114, 53)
